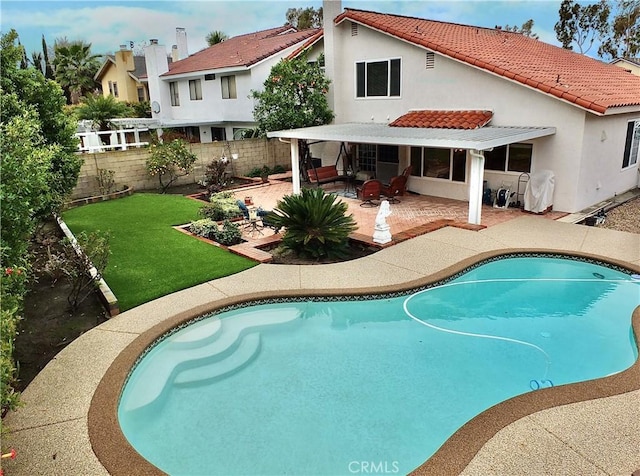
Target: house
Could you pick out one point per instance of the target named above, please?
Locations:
(208, 93)
(123, 76)
(471, 107)
(632, 65)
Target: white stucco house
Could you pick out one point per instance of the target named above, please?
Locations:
(466, 104)
(207, 93)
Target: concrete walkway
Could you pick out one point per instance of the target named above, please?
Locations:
(50, 433)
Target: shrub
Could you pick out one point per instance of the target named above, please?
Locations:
(205, 228)
(12, 291)
(222, 206)
(170, 161)
(228, 235)
(93, 250)
(215, 177)
(105, 180)
(316, 224)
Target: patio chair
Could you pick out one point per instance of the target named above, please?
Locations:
(261, 215)
(397, 186)
(407, 171)
(369, 191)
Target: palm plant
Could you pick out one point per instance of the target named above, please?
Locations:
(215, 37)
(101, 109)
(75, 67)
(316, 224)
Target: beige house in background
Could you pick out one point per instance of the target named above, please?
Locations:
(630, 64)
(124, 76)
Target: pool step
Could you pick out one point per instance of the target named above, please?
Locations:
(158, 373)
(247, 350)
(196, 335)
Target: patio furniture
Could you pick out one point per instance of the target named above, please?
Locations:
(397, 186)
(369, 191)
(407, 171)
(326, 174)
(255, 218)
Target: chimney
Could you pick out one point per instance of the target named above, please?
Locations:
(155, 58)
(181, 41)
(153, 41)
(123, 47)
(174, 53)
(330, 10)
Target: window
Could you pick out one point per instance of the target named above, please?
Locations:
(195, 89)
(378, 78)
(447, 164)
(218, 133)
(111, 87)
(366, 157)
(209, 77)
(141, 95)
(174, 93)
(115, 89)
(228, 87)
(511, 158)
(631, 145)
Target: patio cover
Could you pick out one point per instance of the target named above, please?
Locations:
(474, 140)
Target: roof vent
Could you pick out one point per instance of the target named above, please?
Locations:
(354, 29)
(430, 61)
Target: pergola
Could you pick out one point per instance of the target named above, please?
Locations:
(476, 141)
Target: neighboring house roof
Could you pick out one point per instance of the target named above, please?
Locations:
(576, 78)
(241, 51)
(140, 67)
(307, 44)
(444, 119)
(635, 61)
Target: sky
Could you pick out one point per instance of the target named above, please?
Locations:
(111, 23)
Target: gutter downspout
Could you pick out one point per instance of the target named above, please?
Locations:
(476, 173)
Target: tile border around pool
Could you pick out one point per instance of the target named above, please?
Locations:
(118, 456)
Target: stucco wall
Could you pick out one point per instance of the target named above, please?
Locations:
(129, 165)
(602, 175)
(455, 85)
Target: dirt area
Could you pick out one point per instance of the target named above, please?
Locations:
(48, 325)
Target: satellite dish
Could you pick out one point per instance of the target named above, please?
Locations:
(155, 107)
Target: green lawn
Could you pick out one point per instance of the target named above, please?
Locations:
(150, 259)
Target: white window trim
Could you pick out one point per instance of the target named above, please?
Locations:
(506, 161)
(355, 78)
(438, 179)
(197, 89)
(176, 96)
(634, 155)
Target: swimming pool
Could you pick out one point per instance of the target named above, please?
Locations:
(329, 386)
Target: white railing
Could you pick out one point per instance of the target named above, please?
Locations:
(117, 140)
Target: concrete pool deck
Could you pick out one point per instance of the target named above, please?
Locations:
(601, 436)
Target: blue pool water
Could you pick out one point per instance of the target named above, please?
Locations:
(328, 387)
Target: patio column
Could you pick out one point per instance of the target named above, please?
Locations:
(476, 176)
(295, 167)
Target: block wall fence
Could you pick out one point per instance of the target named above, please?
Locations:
(130, 165)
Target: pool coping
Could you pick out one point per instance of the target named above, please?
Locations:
(118, 457)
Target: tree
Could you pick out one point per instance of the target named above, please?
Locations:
(101, 109)
(294, 96)
(75, 67)
(39, 168)
(170, 161)
(582, 25)
(526, 29)
(48, 68)
(303, 18)
(625, 28)
(215, 37)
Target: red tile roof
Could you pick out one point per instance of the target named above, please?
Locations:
(243, 50)
(307, 44)
(573, 77)
(444, 119)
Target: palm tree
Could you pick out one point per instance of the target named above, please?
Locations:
(101, 110)
(75, 67)
(215, 37)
